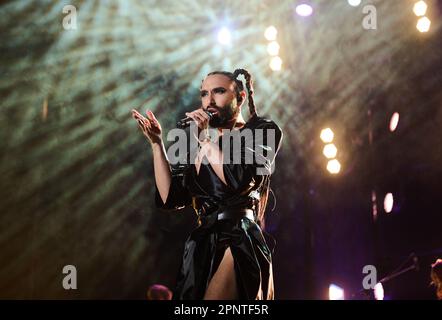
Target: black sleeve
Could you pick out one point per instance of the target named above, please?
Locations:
(178, 196)
(266, 143)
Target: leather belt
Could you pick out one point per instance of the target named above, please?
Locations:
(236, 214)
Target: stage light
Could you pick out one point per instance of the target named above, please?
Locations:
(335, 292)
(330, 151)
(276, 63)
(423, 24)
(224, 36)
(273, 48)
(388, 202)
(333, 166)
(304, 10)
(354, 3)
(327, 135)
(270, 33)
(379, 291)
(394, 121)
(420, 8)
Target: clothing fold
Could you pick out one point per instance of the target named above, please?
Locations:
(209, 197)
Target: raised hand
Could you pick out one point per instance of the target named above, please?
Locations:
(200, 117)
(150, 126)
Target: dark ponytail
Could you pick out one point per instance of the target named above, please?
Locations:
(249, 86)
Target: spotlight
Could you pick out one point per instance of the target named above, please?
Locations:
(388, 202)
(275, 63)
(330, 151)
(333, 166)
(423, 24)
(354, 3)
(270, 33)
(420, 8)
(327, 135)
(379, 291)
(394, 121)
(224, 36)
(335, 292)
(304, 10)
(273, 48)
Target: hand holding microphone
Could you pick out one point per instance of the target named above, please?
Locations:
(200, 116)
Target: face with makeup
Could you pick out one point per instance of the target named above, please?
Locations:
(218, 95)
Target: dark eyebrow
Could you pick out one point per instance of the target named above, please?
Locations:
(217, 88)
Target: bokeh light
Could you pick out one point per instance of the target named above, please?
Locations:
(420, 8)
(327, 135)
(423, 24)
(273, 48)
(354, 3)
(330, 151)
(394, 121)
(270, 33)
(388, 202)
(333, 166)
(276, 63)
(304, 10)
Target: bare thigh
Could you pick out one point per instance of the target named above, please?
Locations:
(223, 286)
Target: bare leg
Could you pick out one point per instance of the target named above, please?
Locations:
(222, 286)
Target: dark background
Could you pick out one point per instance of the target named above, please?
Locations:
(77, 180)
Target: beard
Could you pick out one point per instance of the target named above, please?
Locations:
(224, 115)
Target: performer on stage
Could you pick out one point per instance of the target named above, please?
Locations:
(227, 256)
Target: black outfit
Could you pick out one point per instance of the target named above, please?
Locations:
(227, 218)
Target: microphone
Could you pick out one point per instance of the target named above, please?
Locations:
(184, 123)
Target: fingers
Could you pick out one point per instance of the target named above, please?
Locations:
(199, 116)
(143, 123)
(153, 120)
(151, 116)
(149, 122)
(142, 128)
(137, 115)
(203, 114)
(195, 116)
(198, 120)
(148, 125)
(146, 129)
(191, 115)
(142, 120)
